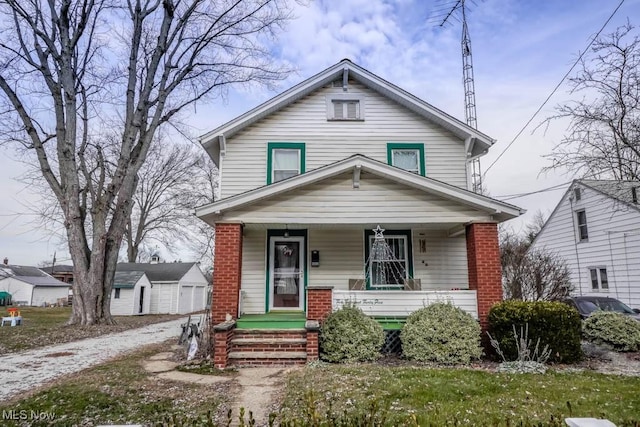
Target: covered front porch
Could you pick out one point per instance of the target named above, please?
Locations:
(307, 245)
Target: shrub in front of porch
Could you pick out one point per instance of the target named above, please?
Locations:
(614, 330)
(441, 333)
(349, 335)
(551, 324)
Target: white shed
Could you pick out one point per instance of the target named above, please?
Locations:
(31, 286)
(131, 293)
(176, 287)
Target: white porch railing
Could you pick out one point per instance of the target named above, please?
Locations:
(403, 303)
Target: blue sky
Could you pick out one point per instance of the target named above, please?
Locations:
(521, 50)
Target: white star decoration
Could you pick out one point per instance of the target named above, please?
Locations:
(379, 232)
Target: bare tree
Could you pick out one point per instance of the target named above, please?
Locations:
(170, 184)
(603, 139)
(71, 71)
(531, 274)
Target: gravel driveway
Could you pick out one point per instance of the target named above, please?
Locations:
(25, 370)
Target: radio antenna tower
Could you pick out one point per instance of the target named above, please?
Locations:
(458, 11)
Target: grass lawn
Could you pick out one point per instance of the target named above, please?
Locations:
(46, 326)
(118, 392)
(440, 397)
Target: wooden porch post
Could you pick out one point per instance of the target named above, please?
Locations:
(485, 271)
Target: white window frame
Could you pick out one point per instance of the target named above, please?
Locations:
(580, 226)
(274, 162)
(600, 285)
(345, 98)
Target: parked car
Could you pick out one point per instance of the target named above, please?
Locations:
(587, 305)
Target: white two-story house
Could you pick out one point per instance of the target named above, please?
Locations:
(307, 178)
(596, 229)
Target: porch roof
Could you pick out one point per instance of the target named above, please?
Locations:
(472, 206)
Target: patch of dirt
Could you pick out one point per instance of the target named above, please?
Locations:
(59, 354)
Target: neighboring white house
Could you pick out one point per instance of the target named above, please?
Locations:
(131, 293)
(31, 286)
(596, 229)
(174, 287)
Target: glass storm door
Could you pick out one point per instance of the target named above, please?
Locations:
(286, 273)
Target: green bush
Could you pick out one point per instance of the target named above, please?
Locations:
(614, 330)
(555, 324)
(349, 335)
(441, 333)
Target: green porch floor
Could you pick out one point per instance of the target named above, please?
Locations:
(297, 319)
(277, 320)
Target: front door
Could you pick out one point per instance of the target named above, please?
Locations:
(286, 273)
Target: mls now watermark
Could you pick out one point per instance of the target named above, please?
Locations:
(23, 415)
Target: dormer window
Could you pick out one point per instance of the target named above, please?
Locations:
(345, 107)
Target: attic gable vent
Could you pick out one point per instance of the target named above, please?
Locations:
(346, 110)
(345, 107)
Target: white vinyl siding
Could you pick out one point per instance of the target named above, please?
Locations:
(614, 242)
(253, 287)
(341, 256)
(377, 200)
(443, 265)
(122, 306)
(330, 141)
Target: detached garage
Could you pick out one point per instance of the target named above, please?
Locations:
(176, 287)
(31, 286)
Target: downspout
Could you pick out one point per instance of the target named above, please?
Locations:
(468, 146)
(626, 262)
(613, 271)
(575, 245)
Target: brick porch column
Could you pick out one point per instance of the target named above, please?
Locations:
(319, 302)
(485, 271)
(227, 268)
(319, 306)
